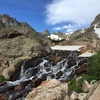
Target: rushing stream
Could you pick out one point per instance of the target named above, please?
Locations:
(63, 69)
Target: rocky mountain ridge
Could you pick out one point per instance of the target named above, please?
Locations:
(8, 21)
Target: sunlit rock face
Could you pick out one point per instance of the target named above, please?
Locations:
(49, 90)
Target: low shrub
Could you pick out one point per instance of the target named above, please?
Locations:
(2, 79)
(94, 66)
(77, 86)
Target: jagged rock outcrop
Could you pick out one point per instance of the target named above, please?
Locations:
(96, 21)
(46, 33)
(60, 34)
(49, 90)
(7, 21)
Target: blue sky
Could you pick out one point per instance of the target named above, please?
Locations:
(54, 15)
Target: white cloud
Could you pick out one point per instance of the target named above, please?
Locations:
(57, 28)
(67, 28)
(81, 12)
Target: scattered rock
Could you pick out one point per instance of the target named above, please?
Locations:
(60, 73)
(4, 96)
(18, 88)
(81, 96)
(56, 60)
(81, 69)
(71, 62)
(74, 96)
(66, 97)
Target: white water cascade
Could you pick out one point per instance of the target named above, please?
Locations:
(45, 69)
(60, 71)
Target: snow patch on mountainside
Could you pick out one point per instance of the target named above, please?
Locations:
(86, 54)
(68, 48)
(97, 30)
(83, 30)
(55, 37)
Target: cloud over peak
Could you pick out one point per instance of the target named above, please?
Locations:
(81, 12)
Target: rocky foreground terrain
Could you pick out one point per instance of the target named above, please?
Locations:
(55, 90)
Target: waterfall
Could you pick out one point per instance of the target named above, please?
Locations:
(45, 70)
(22, 71)
(45, 67)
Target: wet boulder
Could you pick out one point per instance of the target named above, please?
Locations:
(81, 69)
(56, 60)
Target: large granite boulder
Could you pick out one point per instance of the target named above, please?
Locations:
(49, 90)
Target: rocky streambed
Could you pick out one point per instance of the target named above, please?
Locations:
(61, 65)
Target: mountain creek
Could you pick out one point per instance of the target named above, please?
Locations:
(60, 65)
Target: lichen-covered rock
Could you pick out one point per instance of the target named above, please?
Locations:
(49, 90)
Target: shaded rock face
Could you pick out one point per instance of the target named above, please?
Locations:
(50, 90)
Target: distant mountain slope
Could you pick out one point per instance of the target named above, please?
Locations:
(89, 34)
